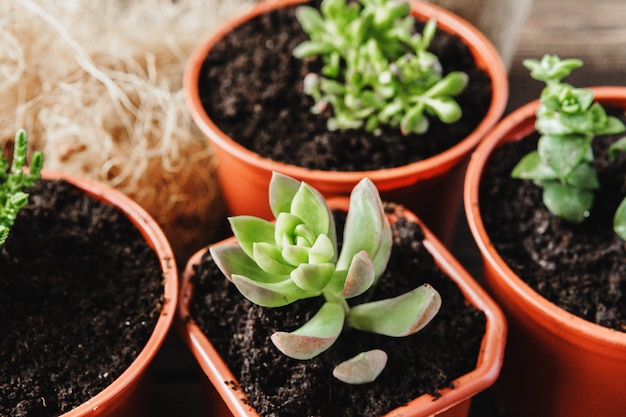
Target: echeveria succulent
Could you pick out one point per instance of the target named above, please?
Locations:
(296, 257)
(14, 180)
(376, 70)
(568, 119)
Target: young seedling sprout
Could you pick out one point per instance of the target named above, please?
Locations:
(376, 70)
(568, 119)
(14, 180)
(296, 257)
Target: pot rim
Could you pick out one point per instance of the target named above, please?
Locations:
(485, 54)
(546, 314)
(481, 377)
(110, 397)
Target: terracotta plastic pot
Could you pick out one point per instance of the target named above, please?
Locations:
(221, 399)
(432, 188)
(556, 364)
(129, 395)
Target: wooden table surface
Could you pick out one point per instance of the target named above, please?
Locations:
(594, 31)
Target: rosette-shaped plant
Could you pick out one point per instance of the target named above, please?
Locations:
(568, 120)
(296, 257)
(376, 69)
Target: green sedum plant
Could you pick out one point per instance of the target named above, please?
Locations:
(13, 180)
(568, 119)
(296, 257)
(376, 70)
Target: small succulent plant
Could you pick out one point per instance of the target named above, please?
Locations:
(376, 70)
(296, 257)
(13, 180)
(568, 119)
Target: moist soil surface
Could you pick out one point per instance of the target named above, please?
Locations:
(80, 293)
(276, 385)
(251, 86)
(579, 267)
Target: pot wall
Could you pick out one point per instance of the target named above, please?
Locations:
(129, 395)
(556, 364)
(431, 188)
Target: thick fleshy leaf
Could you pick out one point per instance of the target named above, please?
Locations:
(367, 228)
(285, 229)
(360, 277)
(249, 230)
(361, 369)
(309, 206)
(275, 294)
(563, 153)
(619, 220)
(295, 254)
(322, 251)
(313, 277)
(567, 202)
(270, 259)
(584, 176)
(399, 316)
(232, 260)
(446, 109)
(530, 167)
(315, 336)
(451, 85)
(281, 191)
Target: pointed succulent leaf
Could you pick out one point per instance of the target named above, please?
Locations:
(270, 259)
(310, 206)
(367, 228)
(313, 277)
(249, 230)
(315, 336)
(619, 220)
(273, 294)
(360, 277)
(567, 202)
(295, 255)
(232, 260)
(361, 369)
(399, 316)
(323, 250)
(282, 189)
(285, 229)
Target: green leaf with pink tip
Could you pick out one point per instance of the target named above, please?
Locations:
(399, 316)
(249, 230)
(360, 277)
(315, 336)
(361, 369)
(232, 260)
(272, 294)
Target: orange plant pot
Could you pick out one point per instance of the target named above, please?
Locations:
(129, 395)
(221, 399)
(556, 364)
(431, 188)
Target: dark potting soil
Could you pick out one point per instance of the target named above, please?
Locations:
(280, 386)
(580, 267)
(80, 293)
(251, 86)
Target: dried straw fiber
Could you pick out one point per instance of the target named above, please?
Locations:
(98, 87)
